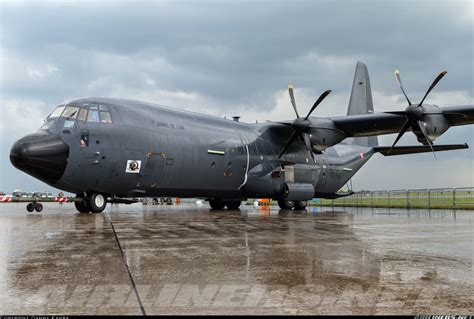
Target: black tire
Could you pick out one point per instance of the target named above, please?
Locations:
(30, 207)
(82, 207)
(216, 203)
(38, 207)
(233, 204)
(286, 204)
(96, 202)
(301, 205)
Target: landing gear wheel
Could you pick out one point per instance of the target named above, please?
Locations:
(96, 202)
(301, 204)
(286, 204)
(38, 207)
(30, 207)
(216, 203)
(233, 204)
(82, 207)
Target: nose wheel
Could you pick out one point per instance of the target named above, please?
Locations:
(34, 206)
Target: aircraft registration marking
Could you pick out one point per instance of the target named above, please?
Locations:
(167, 125)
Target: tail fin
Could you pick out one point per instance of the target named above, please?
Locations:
(361, 102)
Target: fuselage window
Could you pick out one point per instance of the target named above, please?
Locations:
(82, 115)
(70, 112)
(57, 112)
(105, 117)
(93, 116)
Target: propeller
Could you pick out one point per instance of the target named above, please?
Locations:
(414, 113)
(301, 125)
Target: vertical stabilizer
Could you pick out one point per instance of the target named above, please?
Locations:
(361, 101)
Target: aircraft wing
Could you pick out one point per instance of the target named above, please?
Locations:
(389, 123)
(459, 115)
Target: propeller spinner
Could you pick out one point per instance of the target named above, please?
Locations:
(301, 125)
(414, 113)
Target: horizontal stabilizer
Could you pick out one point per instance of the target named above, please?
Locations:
(401, 150)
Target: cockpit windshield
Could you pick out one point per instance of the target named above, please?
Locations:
(57, 112)
(70, 112)
(87, 112)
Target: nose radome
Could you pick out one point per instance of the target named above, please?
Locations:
(41, 155)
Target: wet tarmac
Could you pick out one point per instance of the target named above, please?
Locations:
(187, 259)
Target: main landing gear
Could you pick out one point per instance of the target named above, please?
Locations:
(91, 203)
(289, 204)
(219, 204)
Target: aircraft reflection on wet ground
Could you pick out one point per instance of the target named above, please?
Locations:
(188, 259)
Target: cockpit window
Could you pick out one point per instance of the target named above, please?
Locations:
(93, 116)
(70, 112)
(86, 111)
(105, 117)
(57, 112)
(82, 115)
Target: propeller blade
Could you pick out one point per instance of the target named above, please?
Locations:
(319, 100)
(438, 78)
(288, 143)
(399, 80)
(292, 98)
(423, 130)
(402, 131)
(307, 141)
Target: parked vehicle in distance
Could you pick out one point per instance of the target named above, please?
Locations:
(17, 193)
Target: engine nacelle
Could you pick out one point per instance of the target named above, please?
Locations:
(434, 121)
(324, 134)
(435, 125)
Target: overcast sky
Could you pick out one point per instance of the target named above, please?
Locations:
(237, 57)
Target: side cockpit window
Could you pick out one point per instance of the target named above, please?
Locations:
(84, 138)
(105, 114)
(82, 115)
(105, 117)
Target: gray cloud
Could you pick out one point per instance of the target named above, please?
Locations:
(232, 57)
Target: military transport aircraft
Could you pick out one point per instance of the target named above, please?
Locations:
(105, 149)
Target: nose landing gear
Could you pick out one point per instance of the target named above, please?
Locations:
(34, 206)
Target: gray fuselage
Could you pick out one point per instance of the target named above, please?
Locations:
(192, 155)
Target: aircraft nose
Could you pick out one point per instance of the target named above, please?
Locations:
(41, 155)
